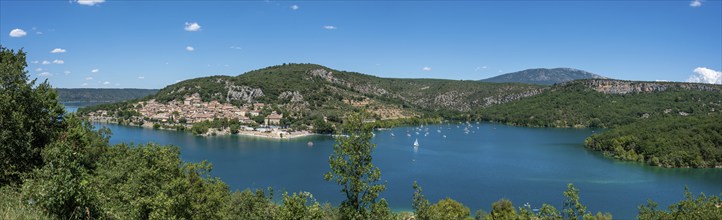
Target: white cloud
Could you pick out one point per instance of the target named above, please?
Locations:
(661, 80)
(235, 47)
(106, 83)
(192, 26)
(329, 27)
(88, 78)
(84, 84)
(35, 62)
(189, 48)
(58, 50)
(45, 62)
(17, 32)
(141, 77)
(426, 68)
(94, 70)
(38, 32)
(89, 2)
(294, 7)
(66, 72)
(39, 69)
(45, 74)
(58, 61)
(705, 75)
(695, 3)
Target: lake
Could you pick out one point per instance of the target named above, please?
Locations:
(478, 167)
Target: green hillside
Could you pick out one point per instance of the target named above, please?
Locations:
(308, 91)
(692, 141)
(579, 104)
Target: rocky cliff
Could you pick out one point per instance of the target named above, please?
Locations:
(609, 86)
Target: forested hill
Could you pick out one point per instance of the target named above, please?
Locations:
(543, 76)
(303, 90)
(102, 95)
(608, 103)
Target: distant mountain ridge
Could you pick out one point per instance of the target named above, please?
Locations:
(101, 94)
(543, 76)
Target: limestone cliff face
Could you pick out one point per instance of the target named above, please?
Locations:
(501, 99)
(242, 93)
(609, 86)
(294, 96)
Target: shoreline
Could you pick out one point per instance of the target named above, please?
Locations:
(271, 134)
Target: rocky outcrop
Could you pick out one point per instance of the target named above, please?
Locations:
(500, 99)
(608, 86)
(294, 96)
(242, 93)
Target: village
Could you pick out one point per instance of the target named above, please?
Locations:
(193, 110)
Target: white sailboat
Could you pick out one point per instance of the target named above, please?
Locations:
(416, 143)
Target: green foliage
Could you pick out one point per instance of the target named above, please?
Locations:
(301, 206)
(247, 205)
(692, 141)
(321, 127)
(30, 118)
(701, 207)
(421, 205)
(576, 105)
(234, 128)
(444, 209)
(381, 210)
(62, 186)
(549, 212)
(503, 209)
(481, 214)
(140, 182)
(199, 128)
(352, 168)
(449, 209)
(13, 206)
(573, 209)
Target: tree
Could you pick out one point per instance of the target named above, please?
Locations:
(30, 117)
(250, 205)
(549, 212)
(62, 186)
(352, 168)
(421, 205)
(299, 206)
(701, 207)
(449, 209)
(573, 209)
(503, 209)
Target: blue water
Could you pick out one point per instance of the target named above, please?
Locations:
(491, 162)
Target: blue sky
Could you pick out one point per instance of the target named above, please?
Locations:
(131, 44)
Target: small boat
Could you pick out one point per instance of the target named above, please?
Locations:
(416, 143)
(392, 134)
(444, 136)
